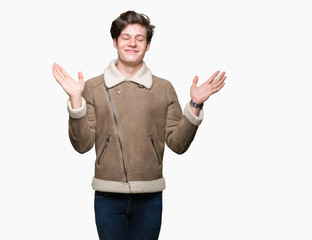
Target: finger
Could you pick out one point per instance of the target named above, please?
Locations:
(63, 71)
(56, 75)
(219, 77)
(218, 88)
(80, 77)
(218, 82)
(213, 76)
(195, 81)
(59, 71)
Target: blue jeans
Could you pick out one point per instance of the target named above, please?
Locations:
(128, 216)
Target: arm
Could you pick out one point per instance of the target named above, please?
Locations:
(181, 129)
(82, 123)
(80, 107)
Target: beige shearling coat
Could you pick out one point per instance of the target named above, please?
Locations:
(129, 122)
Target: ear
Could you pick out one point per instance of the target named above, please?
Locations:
(148, 46)
(115, 43)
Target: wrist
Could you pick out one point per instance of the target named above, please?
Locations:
(76, 101)
(194, 110)
(196, 104)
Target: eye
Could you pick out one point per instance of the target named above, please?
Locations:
(140, 39)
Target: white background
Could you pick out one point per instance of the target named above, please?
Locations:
(247, 174)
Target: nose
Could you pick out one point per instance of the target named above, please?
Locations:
(132, 42)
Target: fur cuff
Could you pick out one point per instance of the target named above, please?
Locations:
(195, 120)
(78, 112)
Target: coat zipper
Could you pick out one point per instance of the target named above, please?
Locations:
(153, 143)
(117, 127)
(103, 151)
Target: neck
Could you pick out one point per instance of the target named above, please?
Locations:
(128, 70)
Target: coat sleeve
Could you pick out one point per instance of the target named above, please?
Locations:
(180, 128)
(82, 123)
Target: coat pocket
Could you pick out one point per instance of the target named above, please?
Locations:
(104, 149)
(154, 146)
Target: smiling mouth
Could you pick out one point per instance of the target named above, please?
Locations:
(131, 51)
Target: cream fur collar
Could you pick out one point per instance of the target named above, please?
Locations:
(113, 77)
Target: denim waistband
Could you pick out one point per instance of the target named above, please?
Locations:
(127, 195)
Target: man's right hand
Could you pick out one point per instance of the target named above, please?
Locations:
(73, 88)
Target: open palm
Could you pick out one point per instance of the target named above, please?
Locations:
(200, 94)
(73, 88)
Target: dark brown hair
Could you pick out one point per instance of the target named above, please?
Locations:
(131, 17)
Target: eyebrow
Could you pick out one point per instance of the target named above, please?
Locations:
(137, 35)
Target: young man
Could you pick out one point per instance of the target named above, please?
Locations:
(129, 114)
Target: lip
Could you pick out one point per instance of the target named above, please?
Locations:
(131, 51)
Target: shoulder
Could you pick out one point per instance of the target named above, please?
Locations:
(161, 82)
(95, 81)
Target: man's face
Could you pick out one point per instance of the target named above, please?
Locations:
(131, 45)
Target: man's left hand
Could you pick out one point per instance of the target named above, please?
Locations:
(200, 94)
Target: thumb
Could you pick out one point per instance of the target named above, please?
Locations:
(80, 77)
(195, 81)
